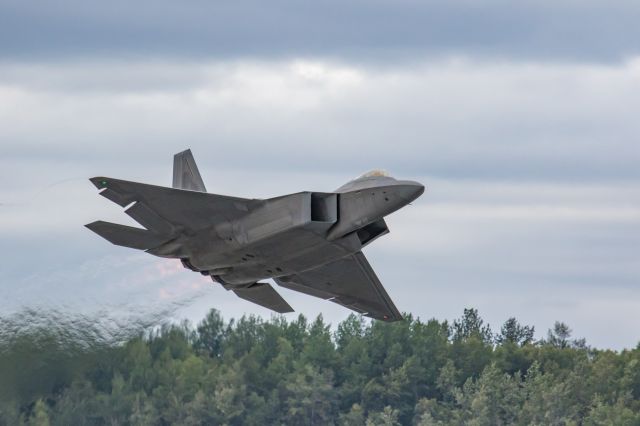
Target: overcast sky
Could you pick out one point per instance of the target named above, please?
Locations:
(520, 118)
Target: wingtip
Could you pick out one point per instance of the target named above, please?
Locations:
(92, 224)
(95, 226)
(100, 182)
(285, 307)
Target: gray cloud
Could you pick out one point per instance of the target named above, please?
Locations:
(451, 118)
(532, 206)
(360, 30)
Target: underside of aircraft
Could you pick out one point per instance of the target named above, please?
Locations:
(309, 242)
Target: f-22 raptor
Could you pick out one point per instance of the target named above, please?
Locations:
(309, 242)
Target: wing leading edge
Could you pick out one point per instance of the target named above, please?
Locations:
(350, 282)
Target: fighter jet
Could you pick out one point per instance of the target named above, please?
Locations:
(309, 242)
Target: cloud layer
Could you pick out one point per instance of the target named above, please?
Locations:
(451, 118)
(362, 30)
(532, 207)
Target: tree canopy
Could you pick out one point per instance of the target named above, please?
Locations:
(252, 371)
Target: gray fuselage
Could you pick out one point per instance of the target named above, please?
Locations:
(293, 233)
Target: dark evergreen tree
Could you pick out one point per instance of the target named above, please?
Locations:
(211, 334)
(513, 332)
(471, 325)
(256, 372)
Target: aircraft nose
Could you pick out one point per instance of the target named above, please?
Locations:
(410, 190)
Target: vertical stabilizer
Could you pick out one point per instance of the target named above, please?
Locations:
(185, 172)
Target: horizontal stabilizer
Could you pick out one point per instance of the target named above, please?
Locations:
(149, 219)
(264, 295)
(127, 236)
(185, 172)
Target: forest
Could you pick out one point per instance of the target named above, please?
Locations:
(252, 371)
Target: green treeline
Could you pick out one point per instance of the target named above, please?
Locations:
(256, 372)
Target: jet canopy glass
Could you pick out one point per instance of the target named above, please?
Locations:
(374, 173)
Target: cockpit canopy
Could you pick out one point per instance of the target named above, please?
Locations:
(374, 173)
(366, 180)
